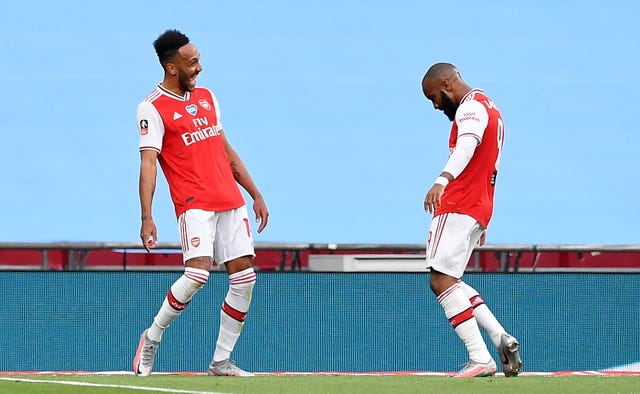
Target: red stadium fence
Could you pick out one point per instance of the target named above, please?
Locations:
(122, 256)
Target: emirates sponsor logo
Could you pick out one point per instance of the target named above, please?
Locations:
(202, 132)
(195, 241)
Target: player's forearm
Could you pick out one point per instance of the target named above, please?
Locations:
(147, 186)
(460, 157)
(241, 175)
(248, 185)
(244, 179)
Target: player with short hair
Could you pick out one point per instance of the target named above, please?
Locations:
(461, 201)
(180, 128)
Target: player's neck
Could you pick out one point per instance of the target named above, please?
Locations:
(462, 91)
(173, 88)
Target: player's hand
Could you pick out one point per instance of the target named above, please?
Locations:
(434, 198)
(148, 234)
(262, 213)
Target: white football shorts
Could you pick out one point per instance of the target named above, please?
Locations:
(223, 236)
(451, 240)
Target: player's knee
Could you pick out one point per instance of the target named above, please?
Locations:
(181, 292)
(440, 282)
(195, 278)
(239, 264)
(242, 283)
(201, 262)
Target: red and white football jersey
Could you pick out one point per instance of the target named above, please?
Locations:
(471, 193)
(185, 131)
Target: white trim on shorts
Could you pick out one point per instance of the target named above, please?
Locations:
(222, 236)
(451, 240)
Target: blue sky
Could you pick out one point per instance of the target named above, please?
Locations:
(322, 100)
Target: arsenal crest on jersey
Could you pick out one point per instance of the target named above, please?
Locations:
(205, 104)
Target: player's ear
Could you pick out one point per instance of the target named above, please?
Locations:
(171, 68)
(446, 85)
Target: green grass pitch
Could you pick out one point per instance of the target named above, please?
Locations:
(311, 384)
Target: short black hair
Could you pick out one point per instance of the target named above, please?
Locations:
(441, 71)
(168, 43)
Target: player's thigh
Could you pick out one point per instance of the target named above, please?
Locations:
(452, 238)
(197, 234)
(233, 241)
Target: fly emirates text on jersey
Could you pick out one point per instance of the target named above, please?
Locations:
(202, 132)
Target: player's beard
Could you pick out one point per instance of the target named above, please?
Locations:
(448, 106)
(184, 81)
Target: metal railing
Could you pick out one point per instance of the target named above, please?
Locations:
(509, 255)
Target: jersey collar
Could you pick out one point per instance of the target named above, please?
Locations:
(469, 95)
(173, 95)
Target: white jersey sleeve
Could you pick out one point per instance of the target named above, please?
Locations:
(461, 155)
(150, 126)
(472, 118)
(217, 107)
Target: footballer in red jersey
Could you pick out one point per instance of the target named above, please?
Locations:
(461, 200)
(180, 129)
